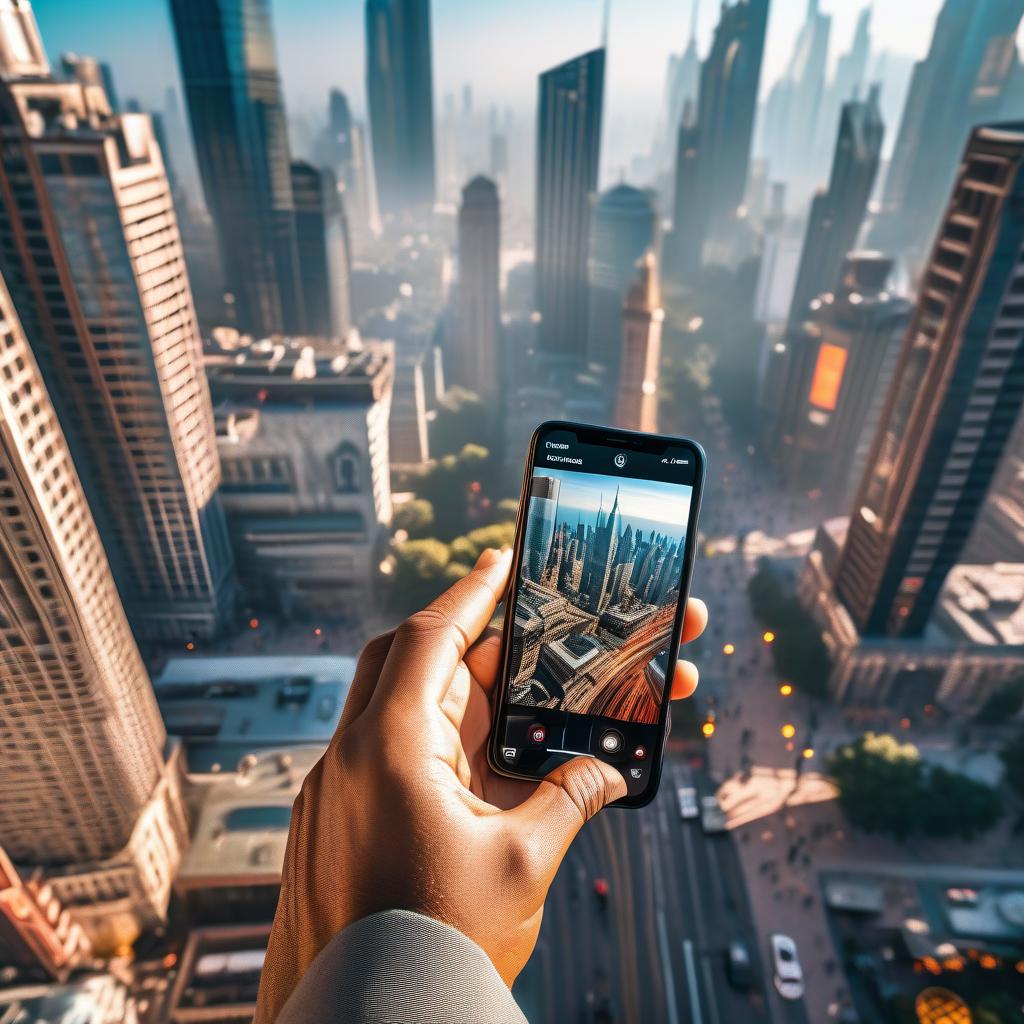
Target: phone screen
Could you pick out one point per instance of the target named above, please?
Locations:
(603, 565)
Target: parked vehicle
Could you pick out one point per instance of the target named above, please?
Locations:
(789, 975)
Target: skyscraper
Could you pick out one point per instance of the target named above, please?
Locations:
(957, 85)
(792, 109)
(624, 228)
(478, 327)
(87, 792)
(682, 250)
(682, 85)
(90, 248)
(848, 83)
(840, 360)
(345, 153)
(321, 231)
(540, 525)
(729, 81)
(399, 86)
(568, 148)
(636, 402)
(956, 393)
(236, 108)
(837, 213)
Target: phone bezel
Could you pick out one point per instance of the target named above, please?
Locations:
(612, 437)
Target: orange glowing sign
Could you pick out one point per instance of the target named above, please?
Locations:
(828, 377)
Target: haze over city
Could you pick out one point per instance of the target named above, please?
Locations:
(286, 289)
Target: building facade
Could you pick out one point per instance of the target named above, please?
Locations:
(321, 231)
(236, 109)
(303, 439)
(399, 87)
(837, 213)
(478, 315)
(93, 258)
(82, 746)
(570, 106)
(957, 391)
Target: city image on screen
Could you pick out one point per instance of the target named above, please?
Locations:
(597, 594)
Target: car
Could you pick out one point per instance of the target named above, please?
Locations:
(789, 975)
(739, 968)
(687, 803)
(712, 817)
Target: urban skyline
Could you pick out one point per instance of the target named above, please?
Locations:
(278, 318)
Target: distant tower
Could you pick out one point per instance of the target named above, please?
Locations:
(959, 84)
(729, 81)
(89, 245)
(625, 227)
(636, 403)
(347, 156)
(568, 148)
(540, 525)
(235, 105)
(321, 231)
(837, 214)
(476, 350)
(956, 392)
(87, 793)
(399, 86)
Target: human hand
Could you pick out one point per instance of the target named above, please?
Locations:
(403, 811)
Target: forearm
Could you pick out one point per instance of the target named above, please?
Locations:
(397, 966)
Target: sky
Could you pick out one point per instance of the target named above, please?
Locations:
(647, 503)
(500, 46)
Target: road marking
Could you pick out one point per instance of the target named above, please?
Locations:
(666, 963)
(697, 1016)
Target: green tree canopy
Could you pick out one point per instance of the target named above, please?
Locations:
(416, 517)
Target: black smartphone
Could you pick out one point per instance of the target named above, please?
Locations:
(601, 571)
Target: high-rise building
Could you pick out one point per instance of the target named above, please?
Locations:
(303, 439)
(682, 85)
(839, 364)
(624, 228)
(956, 393)
(729, 81)
(793, 107)
(479, 307)
(540, 525)
(837, 212)
(321, 231)
(87, 791)
(344, 151)
(636, 402)
(957, 85)
(998, 534)
(682, 251)
(236, 108)
(568, 147)
(399, 86)
(848, 83)
(90, 248)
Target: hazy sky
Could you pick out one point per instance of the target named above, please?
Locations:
(499, 46)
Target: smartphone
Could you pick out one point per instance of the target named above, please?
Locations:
(603, 555)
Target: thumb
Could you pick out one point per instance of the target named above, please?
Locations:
(564, 802)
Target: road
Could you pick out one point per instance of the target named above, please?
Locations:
(655, 949)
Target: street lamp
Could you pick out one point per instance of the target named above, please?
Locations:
(768, 636)
(729, 649)
(786, 689)
(788, 730)
(708, 729)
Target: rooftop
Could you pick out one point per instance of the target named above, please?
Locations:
(984, 604)
(226, 707)
(241, 825)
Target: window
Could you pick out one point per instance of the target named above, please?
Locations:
(345, 466)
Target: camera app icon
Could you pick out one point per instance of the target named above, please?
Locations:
(620, 460)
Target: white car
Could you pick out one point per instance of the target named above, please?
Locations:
(789, 975)
(712, 817)
(688, 803)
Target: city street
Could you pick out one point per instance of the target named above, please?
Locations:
(654, 949)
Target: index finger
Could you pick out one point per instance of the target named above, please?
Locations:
(429, 645)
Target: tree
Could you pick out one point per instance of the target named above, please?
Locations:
(419, 572)
(461, 417)
(885, 786)
(1003, 704)
(1013, 763)
(447, 484)
(879, 781)
(416, 517)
